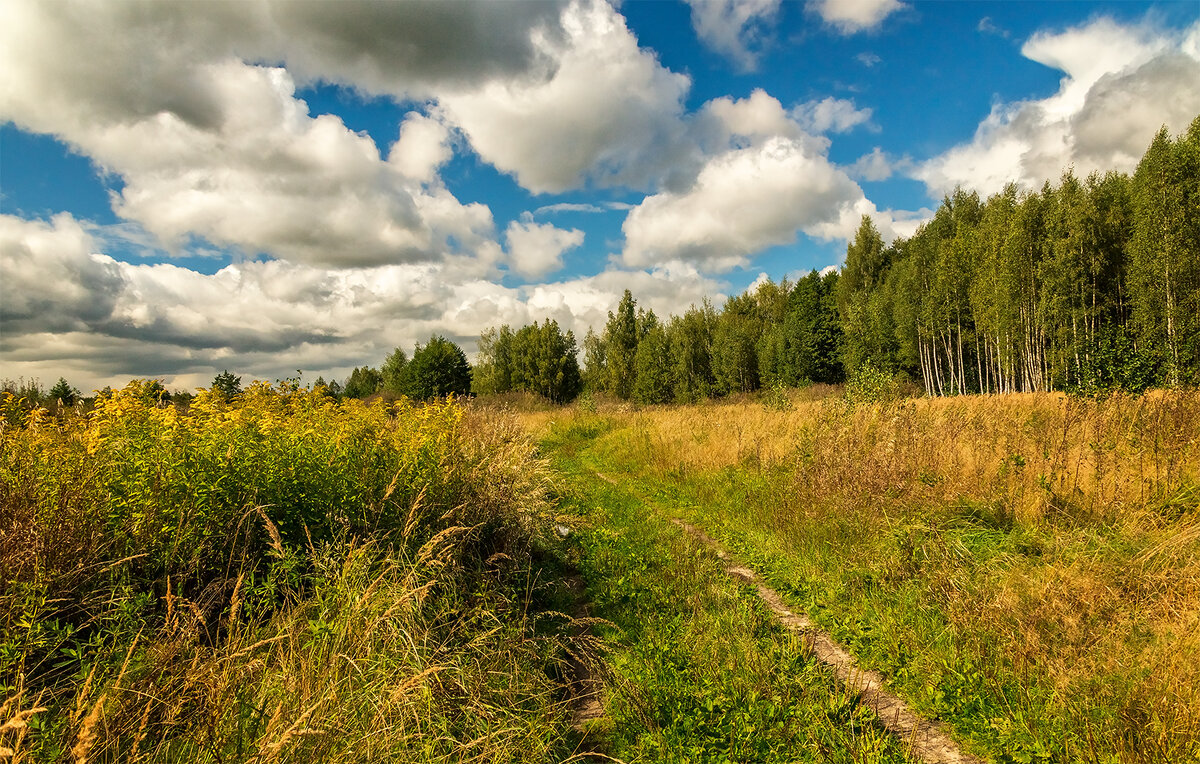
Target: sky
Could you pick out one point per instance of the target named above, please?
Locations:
(273, 186)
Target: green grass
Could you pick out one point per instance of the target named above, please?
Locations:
(699, 671)
(967, 610)
(280, 578)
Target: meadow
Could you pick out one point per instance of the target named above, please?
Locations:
(282, 576)
(278, 578)
(1024, 567)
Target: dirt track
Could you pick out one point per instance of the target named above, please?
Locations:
(927, 740)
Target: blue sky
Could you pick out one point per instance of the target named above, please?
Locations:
(268, 186)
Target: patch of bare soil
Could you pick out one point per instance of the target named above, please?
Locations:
(927, 740)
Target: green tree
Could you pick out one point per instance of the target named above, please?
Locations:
(652, 362)
(735, 345)
(226, 385)
(595, 367)
(545, 362)
(866, 267)
(64, 393)
(1164, 264)
(809, 339)
(492, 373)
(392, 374)
(362, 382)
(690, 337)
(620, 347)
(438, 369)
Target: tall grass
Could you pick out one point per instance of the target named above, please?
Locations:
(277, 578)
(1027, 566)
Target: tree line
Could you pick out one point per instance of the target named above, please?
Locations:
(1087, 285)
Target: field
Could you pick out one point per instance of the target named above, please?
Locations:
(285, 577)
(1025, 567)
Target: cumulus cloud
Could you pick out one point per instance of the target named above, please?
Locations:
(70, 311)
(868, 59)
(605, 112)
(414, 48)
(210, 146)
(836, 115)
(536, 249)
(49, 278)
(744, 201)
(1121, 84)
(422, 148)
(850, 16)
(727, 121)
(734, 28)
(764, 180)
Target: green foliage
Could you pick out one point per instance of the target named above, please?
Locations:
(202, 580)
(493, 372)
(362, 382)
(545, 362)
(437, 369)
(620, 348)
(652, 367)
(30, 390)
(1115, 364)
(538, 358)
(735, 346)
(691, 349)
(870, 384)
(1163, 265)
(63, 393)
(392, 377)
(226, 385)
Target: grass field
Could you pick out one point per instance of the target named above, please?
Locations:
(289, 578)
(282, 578)
(1025, 567)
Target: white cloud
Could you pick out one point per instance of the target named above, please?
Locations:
(830, 114)
(850, 16)
(422, 148)
(49, 280)
(878, 165)
(69, 311)
(764, 179)
(1121, 84)
(536, 249)
(582, 207)
(734, 28)
(602, 110)
(210, 146)
(744, 122)
(743, 201)
(988, 26)
(868, 59)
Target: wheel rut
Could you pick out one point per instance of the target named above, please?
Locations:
(927, 740)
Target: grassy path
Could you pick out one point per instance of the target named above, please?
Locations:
(699, 670)
(1023, 570)
(926, 740)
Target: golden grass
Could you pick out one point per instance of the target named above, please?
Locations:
(1059, 536)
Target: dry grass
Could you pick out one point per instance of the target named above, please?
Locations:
(363, 585)
(1057, 538)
